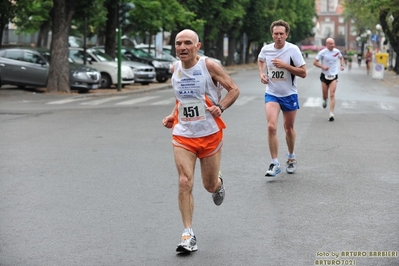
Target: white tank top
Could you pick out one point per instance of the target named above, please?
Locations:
(194, 91)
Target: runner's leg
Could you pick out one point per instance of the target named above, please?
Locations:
(185, 163)
(324, 89)
(210, 167)
(272, 111)
(332, 89)
(290, 135)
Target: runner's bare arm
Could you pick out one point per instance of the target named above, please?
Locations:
(262, 71)
(297, 71)
(317, 63)
(218, 74)
(168, 120)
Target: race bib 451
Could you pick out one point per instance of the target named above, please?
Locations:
(193, 110)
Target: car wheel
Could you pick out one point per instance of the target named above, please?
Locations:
(162, 79)
(105, 81)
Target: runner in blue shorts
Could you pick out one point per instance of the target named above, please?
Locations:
(279, 64)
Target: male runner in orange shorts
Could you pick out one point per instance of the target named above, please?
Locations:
(197, 126)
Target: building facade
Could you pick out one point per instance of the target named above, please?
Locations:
(331, 22)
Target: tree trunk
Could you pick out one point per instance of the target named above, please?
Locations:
(111, 26)
(58, 80)
(42, 39)
(232, 50)
(172, 42)
(206, 44)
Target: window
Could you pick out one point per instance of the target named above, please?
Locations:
(341, 30)
(31, 58)
(16, 55)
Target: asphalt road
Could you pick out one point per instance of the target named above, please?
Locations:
(91, 181)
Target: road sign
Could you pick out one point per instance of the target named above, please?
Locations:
(378, 71)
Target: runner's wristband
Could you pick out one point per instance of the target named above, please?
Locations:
(220, 107)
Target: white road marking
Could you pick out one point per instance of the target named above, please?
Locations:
(100, 101)
(69, 100)
(165, 102)
(313, 102)
(348, 104)
(385, 106)
(138, 100)
(246, 99)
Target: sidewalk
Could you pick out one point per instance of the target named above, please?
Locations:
(391, 79)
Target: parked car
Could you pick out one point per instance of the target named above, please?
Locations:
(159, 54)
(75, 41)
(143, 73)
(167, 49)
(162, 67)
(30, 67)
(105, 64)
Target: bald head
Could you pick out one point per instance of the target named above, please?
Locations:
(330, 43)
(189, 34)
(187, 45)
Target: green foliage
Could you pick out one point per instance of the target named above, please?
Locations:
(150, 16)
(31, 14)
(261, 13)
(368, 13)
(8, 10)
(96, 16)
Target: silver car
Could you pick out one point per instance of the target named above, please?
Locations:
(143, 73)
(30, 67)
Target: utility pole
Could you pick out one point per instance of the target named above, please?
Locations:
(123, 16)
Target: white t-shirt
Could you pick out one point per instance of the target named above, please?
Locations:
(329, 58)
(281, 82)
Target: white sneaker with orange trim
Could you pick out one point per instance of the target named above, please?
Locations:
(188, 244)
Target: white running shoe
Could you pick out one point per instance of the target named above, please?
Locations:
(188, 244)
(291, 166)
(273, 170)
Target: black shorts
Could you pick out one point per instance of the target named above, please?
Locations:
(327, 81)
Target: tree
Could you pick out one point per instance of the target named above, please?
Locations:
(152, 16)
(62, 14)
(367, 13)
(8, 10)
(260, 15)
(33, 16)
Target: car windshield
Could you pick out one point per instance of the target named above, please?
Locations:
(102, 57)
(139, 52)
(45, 54)
(162, 55)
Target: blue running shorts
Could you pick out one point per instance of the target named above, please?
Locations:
(287, 103)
